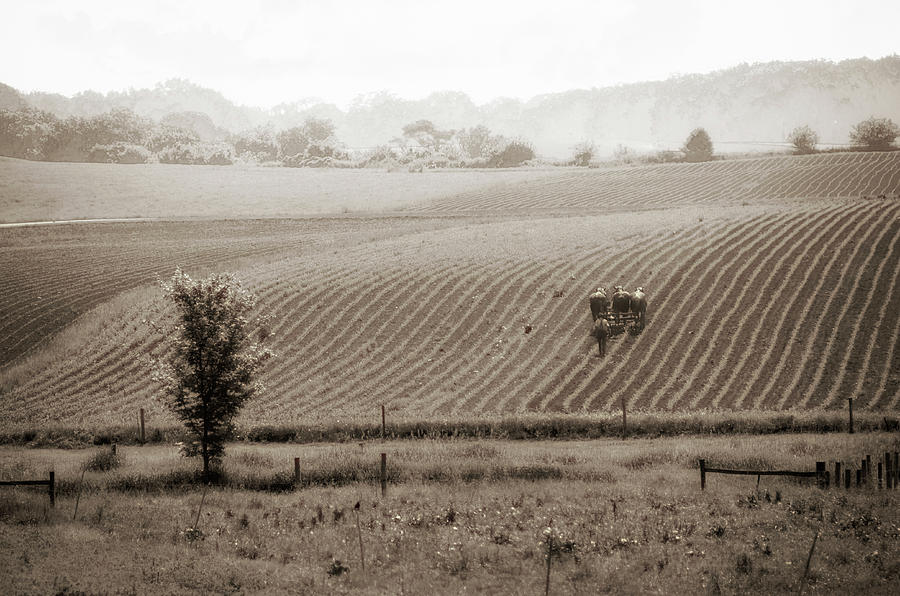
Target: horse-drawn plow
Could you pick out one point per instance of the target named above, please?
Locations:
(626, 311)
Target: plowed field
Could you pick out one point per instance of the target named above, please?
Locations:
(772, 285)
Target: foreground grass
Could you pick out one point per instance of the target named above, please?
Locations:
(626, 516)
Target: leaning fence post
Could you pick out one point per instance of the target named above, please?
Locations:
(702, 474)
(51, 488)
(383, 474)
(850, 399)
(820, 474)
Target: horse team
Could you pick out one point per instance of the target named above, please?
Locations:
(622, 303)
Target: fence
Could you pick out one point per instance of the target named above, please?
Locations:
(886, 474)
(51, 485)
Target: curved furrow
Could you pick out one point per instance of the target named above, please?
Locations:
(418, 341)
(428, 313)
(883, 290)
(658, 301)
(566, 377)
(888, 393)
(667, 314)
(772, 323)
(464, 333)
(848, 316)
(804, 299)
(695, 301)
(437, 368)
(593, 385)
(753, 304)
(768, 320)
(503, 379)
(707, 324)
(376, 336)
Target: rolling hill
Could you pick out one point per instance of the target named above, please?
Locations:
(771, 286)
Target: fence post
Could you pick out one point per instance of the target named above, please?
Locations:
(51, 488)
(142, 425)
(820, 474)
(297, 470)
(879, 474)
(864, 469)
(702, 474)
(837, 474)
(382, 423)
(858, 477)
(888, 471)
(869, 469)
(847, 478)
(850, 399)
(896, 467)
(383, 474)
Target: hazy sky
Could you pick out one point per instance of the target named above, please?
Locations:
(264, 52)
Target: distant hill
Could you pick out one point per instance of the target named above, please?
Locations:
(744, 107)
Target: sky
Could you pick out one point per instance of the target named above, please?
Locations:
(265, 52)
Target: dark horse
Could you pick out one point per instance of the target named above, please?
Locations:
(600, 331)
(621, 302)
(599, 303)
(639, 305)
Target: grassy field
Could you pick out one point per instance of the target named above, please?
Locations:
(460, 516)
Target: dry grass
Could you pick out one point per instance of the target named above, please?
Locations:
(640, 527)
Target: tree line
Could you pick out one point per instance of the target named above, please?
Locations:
(121, 136)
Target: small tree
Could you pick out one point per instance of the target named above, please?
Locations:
(875, 133)
(698, 146)
(804, 139)
(584, 153)
(208, 373)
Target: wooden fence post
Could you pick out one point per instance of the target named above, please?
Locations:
(51, 488)
(702, 474)
(869, 469)
(850, 399)
(142, 426)
(888, 471)
(383, 474)
(847, 478)
(382, 423)
(820, 474)
(296, 470)
(858, 477)
(879, 474)
(837, 474)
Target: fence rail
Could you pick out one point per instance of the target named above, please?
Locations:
(50, 483)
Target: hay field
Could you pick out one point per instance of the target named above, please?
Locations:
(770, 285)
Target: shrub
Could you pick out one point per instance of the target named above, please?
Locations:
(875, 133)
(513, 154)
(698, 146)
(804, 139)
(103, 461)
(584, 153)
(119, 152)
